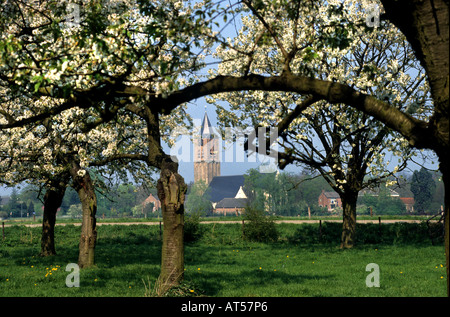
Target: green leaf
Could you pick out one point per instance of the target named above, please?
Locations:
(37, 85)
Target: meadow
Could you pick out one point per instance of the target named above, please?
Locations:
(221, 263)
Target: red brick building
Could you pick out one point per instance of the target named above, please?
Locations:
(331, 200)
(154, 200)
(409, 203)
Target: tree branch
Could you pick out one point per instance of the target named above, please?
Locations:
(416, 131)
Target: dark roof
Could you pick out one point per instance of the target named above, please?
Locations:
(224, 187)
(232, 203)
(331, 194)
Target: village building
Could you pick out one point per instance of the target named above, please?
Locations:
(409, 203)
(232, 205)
(154, 200)
(330, 200)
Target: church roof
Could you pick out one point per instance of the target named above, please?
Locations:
(232, 203)
(206, 128)
(224, 187)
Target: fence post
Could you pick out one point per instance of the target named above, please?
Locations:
(243, 229)
(160, 231)
(3, 230)
(320, 229)
(379, 226)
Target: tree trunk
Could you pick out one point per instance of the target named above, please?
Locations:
(444, 168)
(349, 220)
(88, 238)
(52, 201)
(426, 26)
(171, 191)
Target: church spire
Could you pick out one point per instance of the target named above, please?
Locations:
(206, 128)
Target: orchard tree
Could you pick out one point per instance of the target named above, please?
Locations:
(26, 155)
(346, 147)
(101, 58)
(56, 154)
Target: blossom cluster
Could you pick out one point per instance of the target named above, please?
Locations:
(109, 39)
(330, 42)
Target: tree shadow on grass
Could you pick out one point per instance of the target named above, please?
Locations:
(224, 270)
(138, 249)
(256, 283)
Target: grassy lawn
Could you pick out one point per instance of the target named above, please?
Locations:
(221, 263)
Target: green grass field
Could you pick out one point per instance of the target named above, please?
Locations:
(221, 263)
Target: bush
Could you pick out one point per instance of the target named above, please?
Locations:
(259, 227)
(305, 234)
(389, 234)
(192, 228)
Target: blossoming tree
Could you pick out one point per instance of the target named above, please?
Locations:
(57, 153)
(346, 146)
(96, 66)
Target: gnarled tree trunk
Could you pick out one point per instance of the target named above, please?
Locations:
(52, 201)
(171, 192)
(426, 26)
(82, 183)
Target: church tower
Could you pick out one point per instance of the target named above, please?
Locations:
(206, 153)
